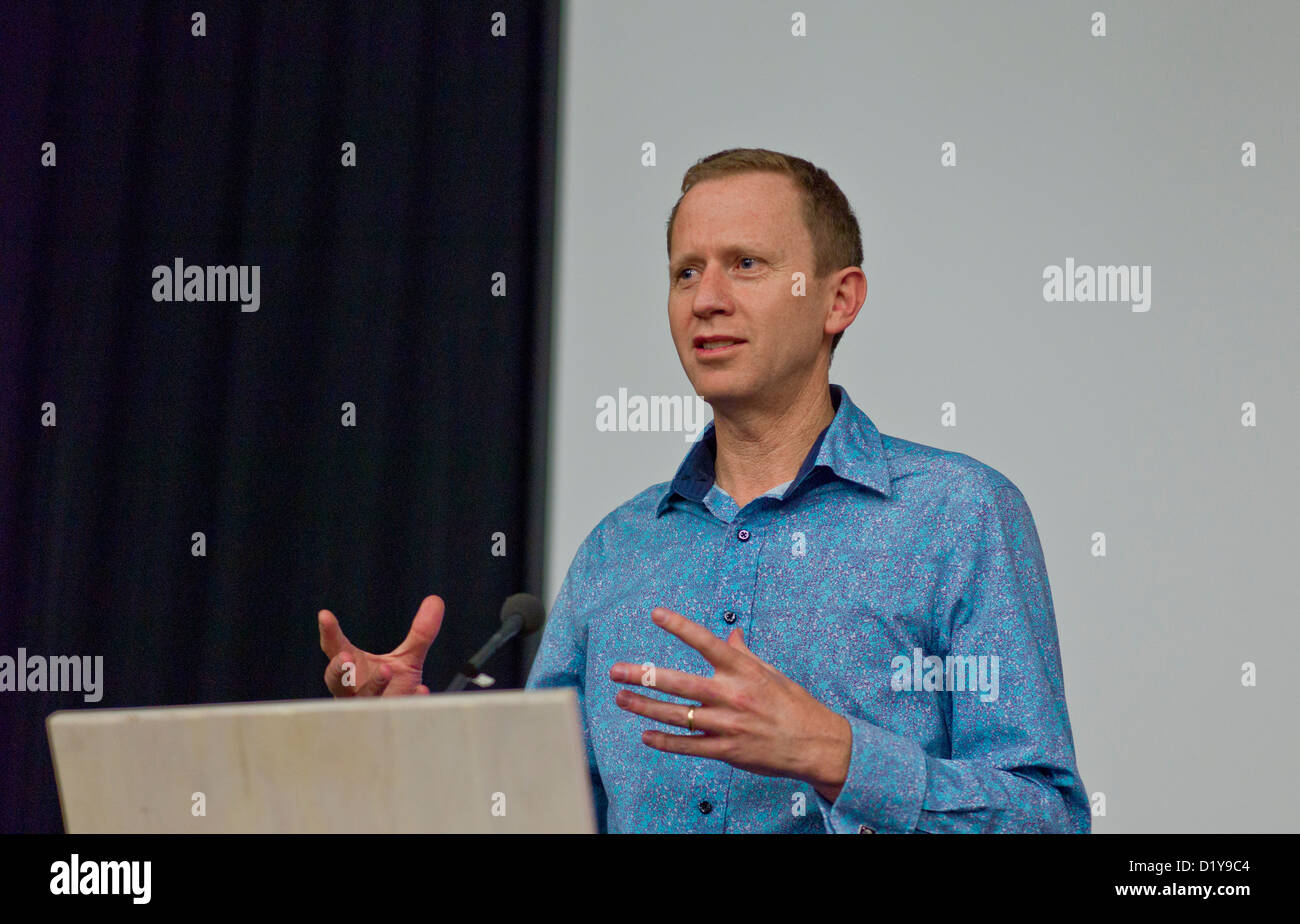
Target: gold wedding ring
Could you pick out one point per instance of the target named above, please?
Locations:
(690, 719)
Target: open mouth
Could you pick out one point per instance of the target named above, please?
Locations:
(716, 346)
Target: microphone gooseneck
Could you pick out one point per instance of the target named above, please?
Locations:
(521, 614)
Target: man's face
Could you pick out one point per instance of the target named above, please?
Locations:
(737, 241)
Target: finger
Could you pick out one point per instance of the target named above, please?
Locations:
(332, 639)
(422, 690)
(375, 683)
(667, 680)
(424, 629)
(703, 720)
(334, 674)
(715, 650)
(712, 746)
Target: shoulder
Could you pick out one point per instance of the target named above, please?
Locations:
(952, 479)
(624, 524)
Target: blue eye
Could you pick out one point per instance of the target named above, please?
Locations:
(753, 260)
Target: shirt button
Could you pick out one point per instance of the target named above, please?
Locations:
(863, 829)
(743, 535)
(705, 806)
(729, 618)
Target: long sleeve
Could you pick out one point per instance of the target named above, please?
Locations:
(561, 659)
(1012, 764)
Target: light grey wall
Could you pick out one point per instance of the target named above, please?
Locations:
(1118, 150)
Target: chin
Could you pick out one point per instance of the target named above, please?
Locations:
(718, 385)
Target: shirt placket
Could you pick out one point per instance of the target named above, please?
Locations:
(737, 570)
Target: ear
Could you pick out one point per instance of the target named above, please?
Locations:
(850, 293)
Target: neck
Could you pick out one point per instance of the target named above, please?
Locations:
(761, 446)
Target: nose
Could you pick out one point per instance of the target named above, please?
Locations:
(713, 293)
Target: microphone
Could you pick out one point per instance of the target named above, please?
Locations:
(521, 614)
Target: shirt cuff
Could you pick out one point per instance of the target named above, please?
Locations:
(885, 785)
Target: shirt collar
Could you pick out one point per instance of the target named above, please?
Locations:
(850, 447)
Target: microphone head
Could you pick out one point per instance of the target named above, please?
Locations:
(526, 606)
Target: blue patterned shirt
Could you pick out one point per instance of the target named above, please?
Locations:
(901, 585)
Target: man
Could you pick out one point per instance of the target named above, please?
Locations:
(890, 660)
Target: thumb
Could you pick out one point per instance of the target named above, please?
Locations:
(332, 639)
(424, 629)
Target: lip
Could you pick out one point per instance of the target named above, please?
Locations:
(702, 353)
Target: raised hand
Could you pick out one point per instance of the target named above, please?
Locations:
(353, 672)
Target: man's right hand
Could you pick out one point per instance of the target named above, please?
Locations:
(398, 673)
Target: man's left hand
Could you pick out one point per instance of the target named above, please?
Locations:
(750, 715)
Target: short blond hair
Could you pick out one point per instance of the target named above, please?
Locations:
(836, 237)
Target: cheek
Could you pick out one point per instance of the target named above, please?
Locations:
(675, 329)
(805, 321)
(679, 319)
(792, 317)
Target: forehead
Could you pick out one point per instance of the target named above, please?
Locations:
(766, 205)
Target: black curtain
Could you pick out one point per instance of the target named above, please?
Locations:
(180, 417)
